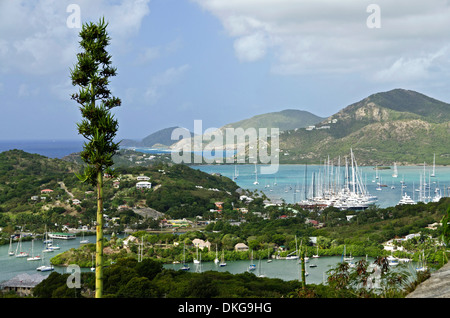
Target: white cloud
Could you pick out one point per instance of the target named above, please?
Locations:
(328, 36)
(35, 38)
(160, 82)
(251, 47)
(150, 54)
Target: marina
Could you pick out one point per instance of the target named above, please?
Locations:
(285, 269)
(296, 183)
(43, 251)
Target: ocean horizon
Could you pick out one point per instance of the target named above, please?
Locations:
(48, 148)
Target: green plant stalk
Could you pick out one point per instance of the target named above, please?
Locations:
(303, 271)
(99, 245)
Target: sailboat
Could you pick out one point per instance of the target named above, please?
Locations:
(422, 267)
(433, 174)
(222, 260)
(256, 176)
(33, 258)
(216, 260)
(252, 266)
(92, 264)
(346, 259)
(260, 274)
(47, 243)
(45, 268)
(293, 255)
(395, 174)
(196, 260)
(83, 241)
(268, 256)
(19, 252)
(185, 267)
(236, 173)
(198, 268)
(317, 253)
(10, 252)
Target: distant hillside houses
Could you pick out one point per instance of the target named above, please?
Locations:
(143, 182)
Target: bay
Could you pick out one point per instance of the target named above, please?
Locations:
(288, 183)
(11, 266)
(286, 270)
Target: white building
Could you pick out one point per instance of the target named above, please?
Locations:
(143, 178)
(144, 185)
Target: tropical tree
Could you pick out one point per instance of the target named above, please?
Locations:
(98, 126)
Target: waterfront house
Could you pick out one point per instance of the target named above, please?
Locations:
(240, 247)
(22, 284)
(201, 244)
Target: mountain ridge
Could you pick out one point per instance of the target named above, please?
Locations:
(397, 125)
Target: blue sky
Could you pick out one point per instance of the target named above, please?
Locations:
(219, 61)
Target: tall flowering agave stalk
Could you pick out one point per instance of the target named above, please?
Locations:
(98, 126)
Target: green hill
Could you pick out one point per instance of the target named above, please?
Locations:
(177, 190)
(24, 175)
(161, 138)
(284, 120)
(399, 125)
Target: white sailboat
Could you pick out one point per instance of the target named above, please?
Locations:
(45, 268)
(198, 268)
(10, 251)
(222, 260)
(260, 274)
(236, 173)
(83, 241)
(256, 176)
(196, 260)
(19, 253)
(92, 264)
(252, 266)
(33, 258)
(422, 267)
(294, 254)
(317, 253)
(349, 258)
(395, 174)
(216, 260)
(47, 243)
(433, 174)
(185, 267)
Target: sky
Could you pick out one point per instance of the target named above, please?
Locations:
(219, 61)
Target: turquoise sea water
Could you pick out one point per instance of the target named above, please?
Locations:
(289, 181)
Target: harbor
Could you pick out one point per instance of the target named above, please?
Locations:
(376, 185)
